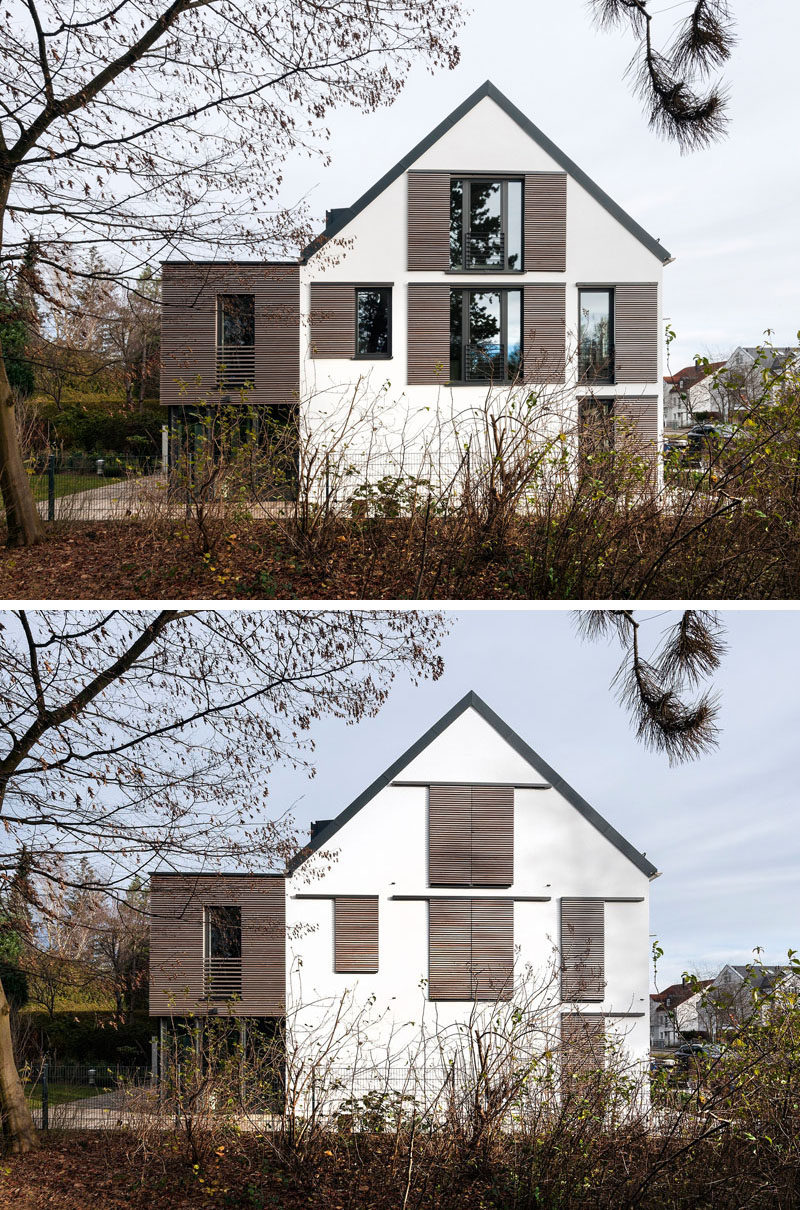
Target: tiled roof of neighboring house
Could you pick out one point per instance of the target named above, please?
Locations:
(768, 358)
(678, 992)
(692, 374)
(759, 976)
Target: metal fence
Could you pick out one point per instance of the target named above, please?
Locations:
(89, 1096)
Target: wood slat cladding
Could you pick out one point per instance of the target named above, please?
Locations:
(583, 1038)
(545, 221)
(636, 332)
(177, 944)
(470, 835)
(428, 334)
(355, 934)
(189, 330)
(492, 948)
(544, 322)
(333, 320)
(582, 949)
(636, 421)
(428, 221)
(470, 949)
(492, 835)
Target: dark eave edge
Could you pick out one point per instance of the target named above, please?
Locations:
(489, 90)
(516, 742)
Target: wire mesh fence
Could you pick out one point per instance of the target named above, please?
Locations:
(89, 1096)
(78, 488)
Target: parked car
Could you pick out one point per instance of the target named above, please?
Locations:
(709, 433)
(698, 1052)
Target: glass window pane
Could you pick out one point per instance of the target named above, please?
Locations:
(485, 240)
(236, 319)
(372, 322)
(514, 331)
(484, 353)
(224, 932)
(456, 333)
(596, 334)
(514, 232)
(456, 224)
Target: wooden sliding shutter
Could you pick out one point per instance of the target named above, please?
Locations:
(450, 949)
(546, 221)
(355, 933)
(333, 320)
(471, 835)
(583, 1040)
(492, 835)
(428, 221)
(636, 421)
(636, 332)
(428, 334)
(492, 948)
(582, 949)
(470, 949)
(544, 322)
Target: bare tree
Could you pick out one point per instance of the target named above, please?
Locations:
(654, 689)
(138, 128)
(130, 738)
(673, 83)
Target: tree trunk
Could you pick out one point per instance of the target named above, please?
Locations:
(25, 526)
(18, 1127)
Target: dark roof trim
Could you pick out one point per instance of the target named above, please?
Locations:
(210, 874)
(471, 700)
(226, 263)
(340, 217)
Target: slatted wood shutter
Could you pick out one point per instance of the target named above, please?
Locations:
(582, 949)
(544, 322)
(583, 1038)
(355, 934)
(636, 332)
(471, 835)
(450, 949)
(333, 320)
(428, 221)
(492, 948)
(277, 351)
(492, 845)
(428, 334)
(636, 421)
(546, 221)
(470, 949)
(450, 835)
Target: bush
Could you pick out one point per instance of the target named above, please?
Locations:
(98, 425)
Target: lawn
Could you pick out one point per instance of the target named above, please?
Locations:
(67, 483)
(62, 1094)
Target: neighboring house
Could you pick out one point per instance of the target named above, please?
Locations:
(737, 992)
(468, 875)
(678, 413)
(738, 383)
(484, 258)
(675, 1013)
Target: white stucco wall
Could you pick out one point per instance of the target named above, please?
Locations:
(382, 851)
(373, 248)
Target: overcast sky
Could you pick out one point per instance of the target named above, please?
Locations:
(728, 215)
(723, 830)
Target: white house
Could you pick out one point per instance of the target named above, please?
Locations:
(730, 388)
(468, 876)
(484, 260)
(676, 1013)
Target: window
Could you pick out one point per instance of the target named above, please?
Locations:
(471, 835)
(236, 327)
(374, 322)
(355, 933)
(470, 949)
(486, 224)
(596, 335)
(222, 965)
(485, 335)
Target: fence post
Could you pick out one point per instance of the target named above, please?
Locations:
(45, 1098)
(327, 479)
(153, 1059)
(51, 487)
(313, 1094)
(164, 448)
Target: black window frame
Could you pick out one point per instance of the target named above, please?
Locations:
(467, 182)
(586, 374)
(373, 356)
(221, 342)
(503, 291)
(210, 909)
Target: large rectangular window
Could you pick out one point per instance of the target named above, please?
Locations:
(374, 322)
(485, 335)
(222, 964)
(596, 335)
(486, 224)
(236, 333)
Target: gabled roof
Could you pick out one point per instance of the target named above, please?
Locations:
(471, 700)
(678, 993)
(338, 219)
(694, 373)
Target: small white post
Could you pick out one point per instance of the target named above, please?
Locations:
(164, 448)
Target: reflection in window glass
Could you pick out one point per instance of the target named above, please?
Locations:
(236, 319)
(456, 335)
(485, 238)
(596, 335)
(514, 332)
(485, 224)
(485, 335)
(373, 322)
(224, 935)
(514, 225)
(457, 224)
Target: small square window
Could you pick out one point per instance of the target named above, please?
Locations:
(374, 321)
